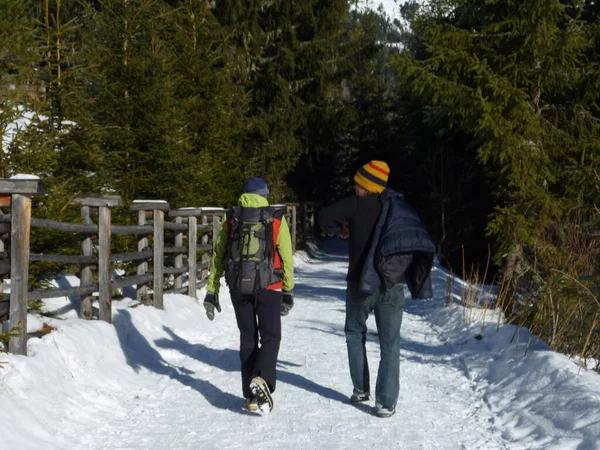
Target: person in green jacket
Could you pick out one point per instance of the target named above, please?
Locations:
(254, 251)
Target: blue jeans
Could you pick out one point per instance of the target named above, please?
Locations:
(388, 305)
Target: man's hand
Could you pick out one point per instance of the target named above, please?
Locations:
(211, 301)
(345, 231)
(287, 302)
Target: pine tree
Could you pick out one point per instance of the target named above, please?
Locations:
(56, 145)
(162, 96)
(131, 83)
(363, 121)
(17, 79)
(512, 75)
(211, 106)
(292, 57)
(519, 80)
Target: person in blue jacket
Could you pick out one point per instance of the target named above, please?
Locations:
(389, 248)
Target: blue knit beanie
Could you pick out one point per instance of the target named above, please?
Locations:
(256, 185)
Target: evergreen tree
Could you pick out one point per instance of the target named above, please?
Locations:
(57, 145)
(129, 49)
(17, 79)
(212, 108)
(161, 93)
(511, 75)
(291, 58)
(364, 121)
(519, 80)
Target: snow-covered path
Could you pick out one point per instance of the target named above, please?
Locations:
(170, 380)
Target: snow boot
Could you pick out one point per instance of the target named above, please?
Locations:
(262, 394)
(252, 404)
(382, 411)
(360, 397)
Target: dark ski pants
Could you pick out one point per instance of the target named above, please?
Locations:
(258, 317)
(388, 306)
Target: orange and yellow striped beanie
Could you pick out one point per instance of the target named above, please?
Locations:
(373, 176)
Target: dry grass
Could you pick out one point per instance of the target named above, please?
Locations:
(474, 295)
(46, 329)
(559, 290)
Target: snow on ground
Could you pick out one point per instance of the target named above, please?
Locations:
(170, 380)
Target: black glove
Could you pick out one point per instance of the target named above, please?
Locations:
(287, 302)
(211, 301)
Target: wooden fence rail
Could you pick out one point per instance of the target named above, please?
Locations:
(194, 225)
(96, 259)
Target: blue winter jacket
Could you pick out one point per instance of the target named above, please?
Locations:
(401, 249)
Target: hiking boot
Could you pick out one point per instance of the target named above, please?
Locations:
(382, 411)
(262, 394)
(360, 397)
(252, 404)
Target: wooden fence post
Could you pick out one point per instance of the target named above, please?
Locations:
(205, 258)
(192, 255)
(158, 208)
(19, 270)
(159, 257)
(142, 267)
(86, 275)
(104, 203)
(104, 266)
(216, 230)
(178, 284)
(21, 191)
(308, 219)
(4, 261)
(294, 228)
(304, 220)
(192, 215)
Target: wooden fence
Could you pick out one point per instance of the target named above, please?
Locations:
(96, 259)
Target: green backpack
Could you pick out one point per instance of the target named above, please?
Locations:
(249, 261)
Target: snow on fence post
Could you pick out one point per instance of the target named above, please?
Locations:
(20, 191)
(104, 203)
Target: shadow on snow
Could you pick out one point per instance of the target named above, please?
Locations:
(140, 354)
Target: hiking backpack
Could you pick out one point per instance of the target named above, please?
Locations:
(250, 257)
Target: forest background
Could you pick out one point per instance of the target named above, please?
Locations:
(486, 111)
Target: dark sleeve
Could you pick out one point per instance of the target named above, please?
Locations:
(332, 217)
